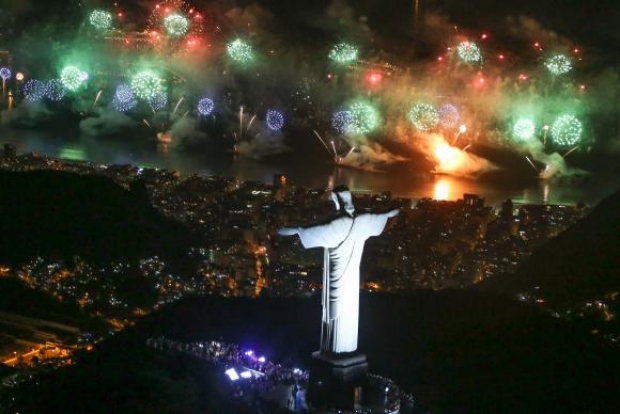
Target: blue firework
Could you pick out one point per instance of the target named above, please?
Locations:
(205, 106)
(34, 90)
(274, 120)
(342, 121)
(54, 90)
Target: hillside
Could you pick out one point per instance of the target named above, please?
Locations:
(59, 215)
(455, 351)
(19, 299)
(581, 264)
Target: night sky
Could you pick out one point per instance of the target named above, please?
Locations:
(293, 76)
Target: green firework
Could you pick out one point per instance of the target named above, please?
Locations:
(468, 52)
(566, 131)
(365, 118)
(240, 51)
(147, 85)
(343, 54)
(558, 64)
(524, 129)
(72, 77)
(423, 116)
(101, 20)
(176, 25)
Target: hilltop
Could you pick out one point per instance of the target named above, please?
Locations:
(455, 351)
(55, 214)
(581, 264)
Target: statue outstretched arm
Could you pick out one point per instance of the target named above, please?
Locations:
(374, 223)
(288, 231)
(328, 234)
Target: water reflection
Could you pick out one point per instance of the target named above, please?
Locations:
(163, 148)
(404, 179)
(72, 153)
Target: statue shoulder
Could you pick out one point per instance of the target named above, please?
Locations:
(341, 222)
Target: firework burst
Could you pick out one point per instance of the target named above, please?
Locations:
(54, 90)
(423, 116)
(124, 98)
(274, 120)
(5, 73)
(469, 52)
(72, 77)
(205, 106)
(100, 20)
(342, 121)
(365, 118)
(558, 64)
(240, 52)
(158, 101)
(343, 54)
(524, 129)
(146, 85)
(566, 131)
(34, 90)
(448, 116)
(176, 25)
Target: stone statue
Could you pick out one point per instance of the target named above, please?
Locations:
(343, 239)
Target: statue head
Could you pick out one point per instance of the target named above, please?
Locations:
(341, 196)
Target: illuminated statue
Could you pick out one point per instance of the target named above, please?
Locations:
(343, 239)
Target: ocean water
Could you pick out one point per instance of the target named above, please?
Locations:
(407, 179)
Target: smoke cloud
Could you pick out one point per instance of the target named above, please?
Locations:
(106, 123)
(293, 74)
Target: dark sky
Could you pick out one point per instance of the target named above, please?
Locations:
(590, 23)
(596, 20)
(593, 22)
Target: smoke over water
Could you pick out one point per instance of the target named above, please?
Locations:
(441, 89)
(371, 157)
(449, 159)
(106, 122)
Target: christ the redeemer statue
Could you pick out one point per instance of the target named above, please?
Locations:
(343, 239)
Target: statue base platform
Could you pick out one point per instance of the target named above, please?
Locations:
(336, 380)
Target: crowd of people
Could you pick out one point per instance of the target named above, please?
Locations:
(273, 383)
(266, 380)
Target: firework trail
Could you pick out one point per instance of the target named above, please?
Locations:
(177, 105)
(250, 124)
(322, 142)
(334, 148)
(97, 98)
(531, 163)
(570, 151)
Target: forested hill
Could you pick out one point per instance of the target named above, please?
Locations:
(57, 214)
(581, 264)
(455, 351)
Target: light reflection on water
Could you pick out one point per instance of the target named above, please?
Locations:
(442, 189)
(403, 180)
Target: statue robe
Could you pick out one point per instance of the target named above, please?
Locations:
(343, 239)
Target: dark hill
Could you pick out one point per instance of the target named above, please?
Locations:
(456, 351)
(24, 301)
(581, 264)
(59, 214)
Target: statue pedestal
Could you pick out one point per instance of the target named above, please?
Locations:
(336, 380)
